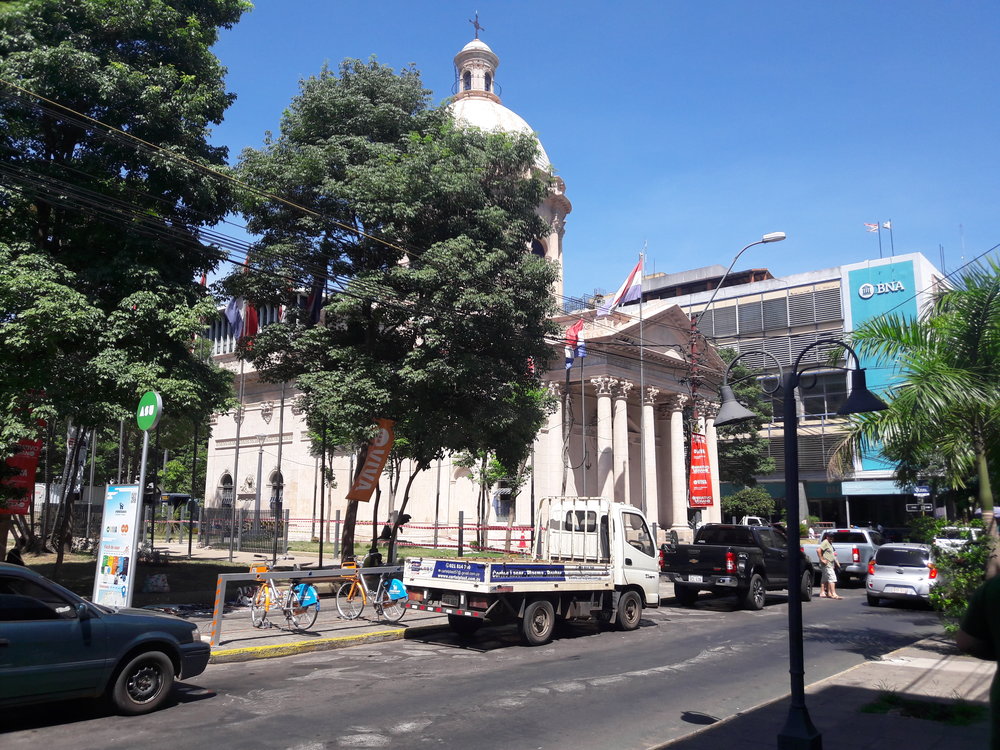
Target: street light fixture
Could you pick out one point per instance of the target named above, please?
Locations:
(799, 733)
(769, 237)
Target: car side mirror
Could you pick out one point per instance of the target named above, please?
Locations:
(83, 611)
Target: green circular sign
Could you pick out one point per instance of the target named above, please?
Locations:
(147, 416)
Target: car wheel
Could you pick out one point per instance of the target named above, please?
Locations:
(629, 610)
(873, 601)
(753, 597)
(806, 587)
(143, 684)
(538, 623)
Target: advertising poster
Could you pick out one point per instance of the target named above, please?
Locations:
(116, 556)
(25, 461)
(700, 484)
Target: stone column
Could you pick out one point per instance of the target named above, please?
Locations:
(678, 473)
(605, 459)
(620, 442)
(710, 410)
(651, 504)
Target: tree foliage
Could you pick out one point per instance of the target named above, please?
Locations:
(415, 232)
(749, 501)
(102, 235)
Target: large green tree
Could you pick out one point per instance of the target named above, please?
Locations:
(944, 403)
(415, 233)
(106, 108)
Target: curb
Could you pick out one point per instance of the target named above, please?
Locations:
(251, 653)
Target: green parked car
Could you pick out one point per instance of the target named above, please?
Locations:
(55, 645)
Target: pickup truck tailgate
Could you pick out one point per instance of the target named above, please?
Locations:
(696, 561)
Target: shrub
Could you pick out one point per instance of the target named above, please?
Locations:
(959, 574)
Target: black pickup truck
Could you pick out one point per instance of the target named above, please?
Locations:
(726, 558)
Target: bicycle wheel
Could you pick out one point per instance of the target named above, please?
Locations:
(392, 609)
(350, 600)
(301, 616)
(258, 608)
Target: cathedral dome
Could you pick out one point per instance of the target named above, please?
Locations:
(476, 102)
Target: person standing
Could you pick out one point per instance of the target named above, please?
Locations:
(979, 636)
(828, 565)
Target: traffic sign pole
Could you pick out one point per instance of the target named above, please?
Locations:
(147, 416)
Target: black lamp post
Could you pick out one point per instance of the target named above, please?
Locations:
(799, 733)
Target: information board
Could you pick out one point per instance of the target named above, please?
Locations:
(115, 579)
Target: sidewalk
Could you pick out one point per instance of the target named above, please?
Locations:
(932, 670)
(240, 641)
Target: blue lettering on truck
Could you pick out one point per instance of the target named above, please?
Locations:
(459, 571)
(527, 572)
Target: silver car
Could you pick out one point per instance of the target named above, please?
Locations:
(903, 572)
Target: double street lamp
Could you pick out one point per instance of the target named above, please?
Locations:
(799, 732)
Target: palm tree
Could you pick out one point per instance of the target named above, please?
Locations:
(945, 400)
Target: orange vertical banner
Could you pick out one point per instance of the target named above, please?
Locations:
(700, 480)
(371, 470)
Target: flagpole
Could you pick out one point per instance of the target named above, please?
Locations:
(236, 467)
(892, 245)
(583, 418)
(642, 384)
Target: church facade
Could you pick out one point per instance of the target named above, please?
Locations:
(620, 430)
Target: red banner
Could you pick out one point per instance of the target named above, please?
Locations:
(25, 461)
(378, 453)
(700, 480)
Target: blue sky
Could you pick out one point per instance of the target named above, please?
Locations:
(696, 127)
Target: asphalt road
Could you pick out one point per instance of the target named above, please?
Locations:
(589, 688)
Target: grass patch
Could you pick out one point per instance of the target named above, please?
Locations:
(958, 713)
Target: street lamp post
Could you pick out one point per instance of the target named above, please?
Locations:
(799, 733)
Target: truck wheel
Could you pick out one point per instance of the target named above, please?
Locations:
(806, 589)
(538, 623)
(142, 684)
(686, 595)
(629, 611)
(464, 626)
(753, 596)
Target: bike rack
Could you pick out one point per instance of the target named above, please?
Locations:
(215, 634)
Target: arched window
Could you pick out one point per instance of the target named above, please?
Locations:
(489, 82)
(466, 80)
(537, 248)
(226, 491)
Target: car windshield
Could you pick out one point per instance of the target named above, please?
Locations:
(956, 534)
(904, 557)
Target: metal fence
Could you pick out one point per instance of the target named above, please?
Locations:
(254, 531)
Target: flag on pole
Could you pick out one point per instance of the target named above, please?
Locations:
(574, 343)
(234, 314)
(251, 323)
(631, 289)
(887, 225)
(871, 227)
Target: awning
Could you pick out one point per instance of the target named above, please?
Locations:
(873, 487)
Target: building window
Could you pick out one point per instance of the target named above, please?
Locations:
(489, 82)
(466, 80)
(276, 482)
(226, 491)
(537, 248)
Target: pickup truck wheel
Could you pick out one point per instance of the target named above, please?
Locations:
(806, 589)
(142, 684)
(464, 626)
(629, 610)
(686, 595)
(753, 596)
(538, 623)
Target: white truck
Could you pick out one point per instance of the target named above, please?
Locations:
(592, 558)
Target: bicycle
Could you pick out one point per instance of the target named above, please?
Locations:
(299, 603)
(388, 598)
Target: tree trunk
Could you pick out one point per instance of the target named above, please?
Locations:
(64, 525)
(351, 513)
(986, 503)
